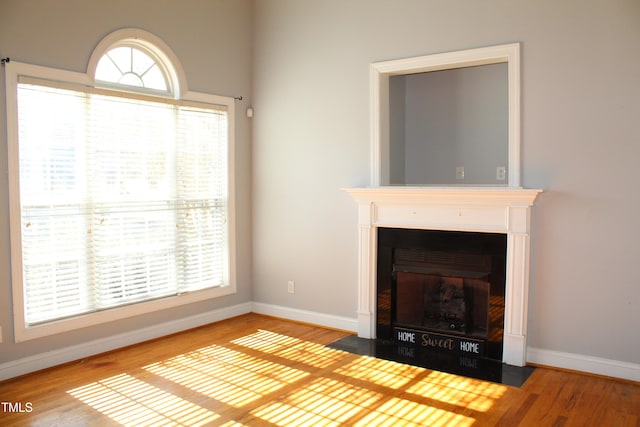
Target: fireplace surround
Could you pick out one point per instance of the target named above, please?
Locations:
(442, 290)
(503, 210)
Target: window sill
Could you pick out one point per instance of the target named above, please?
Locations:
(25, 333)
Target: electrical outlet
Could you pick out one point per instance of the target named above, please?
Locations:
(459, 172)
(501, 173)
(291, 287)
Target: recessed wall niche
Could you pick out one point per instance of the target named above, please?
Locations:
(448, 119)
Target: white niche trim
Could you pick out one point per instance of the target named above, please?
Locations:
(380, 72)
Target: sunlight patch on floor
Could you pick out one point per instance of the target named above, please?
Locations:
(347, 390)
(226, 375)
(132, 402)
(382, 372)
(323, 402)
(292, 349)
(457, 390)
(398, 412)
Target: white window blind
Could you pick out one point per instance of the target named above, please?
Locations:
(121, 199)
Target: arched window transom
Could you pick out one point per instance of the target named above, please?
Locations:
(129, 66)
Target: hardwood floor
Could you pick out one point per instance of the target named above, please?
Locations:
(260, 371)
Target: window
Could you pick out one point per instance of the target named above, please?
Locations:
(120, 190)
(127, 65)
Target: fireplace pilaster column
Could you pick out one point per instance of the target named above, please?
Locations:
(367, 249)
(517, 289)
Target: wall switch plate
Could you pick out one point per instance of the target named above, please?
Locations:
(291, 287)
(501, 173)
(459, 172)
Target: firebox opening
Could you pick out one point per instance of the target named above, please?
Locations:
(442, 290)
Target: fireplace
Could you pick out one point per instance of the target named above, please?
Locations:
(503, 211)
(442, 290)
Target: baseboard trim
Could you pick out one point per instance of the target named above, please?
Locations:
(586, 364)
(570, 361)
(321, 319)
(69, 354)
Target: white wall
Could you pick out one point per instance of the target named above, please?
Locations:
(211, 38)
(580, 142)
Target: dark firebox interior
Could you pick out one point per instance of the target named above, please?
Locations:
(444, 284)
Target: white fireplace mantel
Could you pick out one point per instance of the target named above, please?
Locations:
(484, 209)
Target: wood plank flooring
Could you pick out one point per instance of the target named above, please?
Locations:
(259, 371)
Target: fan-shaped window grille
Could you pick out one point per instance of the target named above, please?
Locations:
(130, 66)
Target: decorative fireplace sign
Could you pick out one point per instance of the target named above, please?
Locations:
(438, 341)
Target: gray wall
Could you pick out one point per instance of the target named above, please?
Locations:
(397, 130)
(580, 142)
(211, 38)
(451, 118)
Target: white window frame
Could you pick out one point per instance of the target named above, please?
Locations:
(14, 71)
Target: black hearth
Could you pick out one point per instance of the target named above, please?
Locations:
(442, 292)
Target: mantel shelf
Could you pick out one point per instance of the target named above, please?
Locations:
(503, 196)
